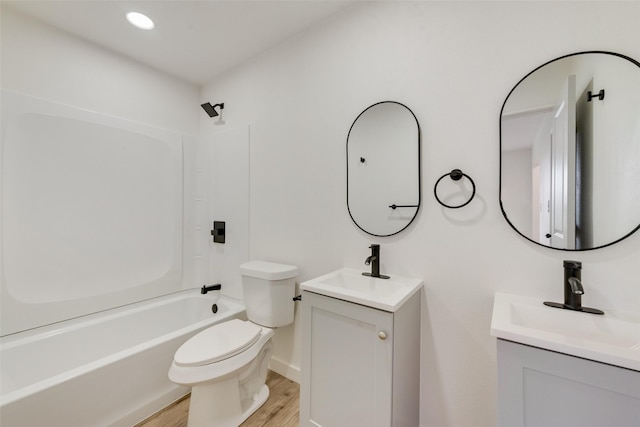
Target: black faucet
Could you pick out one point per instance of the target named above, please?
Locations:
(206, 289)
(374, 261)
(573, 289)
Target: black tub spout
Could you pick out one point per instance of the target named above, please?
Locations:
(206, 289)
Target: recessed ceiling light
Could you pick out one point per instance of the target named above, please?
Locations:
(139, 20)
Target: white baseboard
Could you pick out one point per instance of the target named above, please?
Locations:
(286, 370)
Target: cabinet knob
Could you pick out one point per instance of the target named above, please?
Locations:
(382, 335)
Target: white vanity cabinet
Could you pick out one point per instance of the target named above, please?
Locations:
(563, 368)
(360, 365)
(541, 388)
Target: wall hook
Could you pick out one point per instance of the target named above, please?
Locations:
(455, 175)
(599, 95)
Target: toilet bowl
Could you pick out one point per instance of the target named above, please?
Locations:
(226, 365)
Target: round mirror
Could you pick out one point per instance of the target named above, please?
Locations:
(570, 152)
(383, 169)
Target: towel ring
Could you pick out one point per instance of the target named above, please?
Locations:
(455, 175)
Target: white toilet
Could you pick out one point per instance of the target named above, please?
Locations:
(226, 365)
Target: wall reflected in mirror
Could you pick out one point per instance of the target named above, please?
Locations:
(383, 169)
(570, 152)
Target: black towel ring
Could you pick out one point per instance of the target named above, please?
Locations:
(455, 175)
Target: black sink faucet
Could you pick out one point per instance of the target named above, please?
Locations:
(374, 261)
(573, 289)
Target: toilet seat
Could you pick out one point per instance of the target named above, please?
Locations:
(217, 343)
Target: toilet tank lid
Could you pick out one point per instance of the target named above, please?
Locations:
(268, 270)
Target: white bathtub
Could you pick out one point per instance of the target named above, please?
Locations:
(106, 369)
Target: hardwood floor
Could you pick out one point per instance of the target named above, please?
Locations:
(280, 410)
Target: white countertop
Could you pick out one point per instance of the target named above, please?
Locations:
(349, 284)
(612, 338)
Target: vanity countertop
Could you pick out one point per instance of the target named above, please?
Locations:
(349, 284)
(612, 338)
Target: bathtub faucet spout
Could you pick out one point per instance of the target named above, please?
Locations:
(206, 289)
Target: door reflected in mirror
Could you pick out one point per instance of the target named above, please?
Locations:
(570, 152)
(383, 169)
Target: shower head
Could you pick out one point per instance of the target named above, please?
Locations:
(211, 109)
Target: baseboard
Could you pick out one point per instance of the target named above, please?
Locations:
(285, 369)
(151, 408)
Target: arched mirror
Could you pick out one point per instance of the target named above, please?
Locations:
(570, 152)
(383, 169)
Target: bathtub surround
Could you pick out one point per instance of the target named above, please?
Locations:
(91, 214)
(222, 192)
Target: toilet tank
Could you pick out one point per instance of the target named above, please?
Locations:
(269, 289)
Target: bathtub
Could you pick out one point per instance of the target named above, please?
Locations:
(105, 369)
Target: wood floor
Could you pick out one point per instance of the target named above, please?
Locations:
(280, 410)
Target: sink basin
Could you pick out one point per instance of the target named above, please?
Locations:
(350, 285)
(612, 338)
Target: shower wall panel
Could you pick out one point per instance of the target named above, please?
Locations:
(91, 212)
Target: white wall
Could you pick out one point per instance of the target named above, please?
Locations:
(453, 64)
(68, 74)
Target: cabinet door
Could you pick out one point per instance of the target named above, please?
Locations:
(346, 364)
(542, 388)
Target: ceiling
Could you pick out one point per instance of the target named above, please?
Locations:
(192, 40)
(518, 131)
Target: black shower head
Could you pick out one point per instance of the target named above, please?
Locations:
(211, 109)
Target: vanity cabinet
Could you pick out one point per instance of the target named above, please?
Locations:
(541, 388)
(360, 365)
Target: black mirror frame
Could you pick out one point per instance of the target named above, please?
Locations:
(500, 150)
(419, 168)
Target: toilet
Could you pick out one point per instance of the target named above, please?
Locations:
(226, 365)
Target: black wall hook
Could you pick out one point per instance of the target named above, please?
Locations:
(455, 175)
(599, 95)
